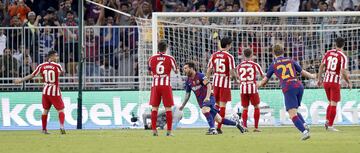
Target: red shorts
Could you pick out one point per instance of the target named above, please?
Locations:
(47, 101)
(247, 98)
(222, 94)
(161, 92)
(332, 91)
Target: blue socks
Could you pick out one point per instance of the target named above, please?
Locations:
(301, 118)
(298, 123)
(228, 122)
(210, 119)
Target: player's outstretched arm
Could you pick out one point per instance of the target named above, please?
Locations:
(186, 99)
(346, 75)
(28, 77)
(308, 74)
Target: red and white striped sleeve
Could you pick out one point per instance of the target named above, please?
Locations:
(324, 58)
(231, 62)
(37, 70)
(173, 63)
(344, 61)
(258, 68)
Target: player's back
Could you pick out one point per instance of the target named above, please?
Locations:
(222, 63)
(160, 66)
(50, 72)
(247, 71)
(286, 71)
(334, 61)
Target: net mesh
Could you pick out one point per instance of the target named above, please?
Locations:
(305, 39)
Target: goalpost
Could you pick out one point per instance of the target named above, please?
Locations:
(305, 35)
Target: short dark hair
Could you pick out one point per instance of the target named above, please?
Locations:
(51, 53)
(248, 52)
(191, 64)
(225, 41)
(278, 49)
(340, 42)
(162, 46)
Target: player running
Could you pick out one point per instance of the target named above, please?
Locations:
(334, 64)
(51, 94)
(160, 66)
(222, 63)
(285, 70)
(247, 71)
(199, 84)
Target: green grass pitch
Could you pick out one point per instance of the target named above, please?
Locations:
(270, 140)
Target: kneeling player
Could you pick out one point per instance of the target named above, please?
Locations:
(202, 88)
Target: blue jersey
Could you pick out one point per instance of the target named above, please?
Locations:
(286, 71)
(197, 86)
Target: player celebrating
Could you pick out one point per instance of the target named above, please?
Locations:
(285, 70)
(247, 71)
(222, 63)
(335, 64)
(202, 88)
(51, 94)
(160, 66)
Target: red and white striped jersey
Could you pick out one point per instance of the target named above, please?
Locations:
(50, 72)
(247, 71)
(334, 61)
(222, 63)
(160, 66)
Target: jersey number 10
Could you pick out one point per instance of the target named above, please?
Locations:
(49, 76)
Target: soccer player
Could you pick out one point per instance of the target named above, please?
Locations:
(199, 84)
(286, 71)
(247, 71)
(334, 64)
(160, 66)
(51, 94)
(222, 63)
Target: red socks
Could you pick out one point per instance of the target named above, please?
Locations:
(61, 119)
(153, 119)
(256, 117)
(44, 121)
(244, 117)
(332, 115)
(169, 120)
(328, 113)
(222, 114)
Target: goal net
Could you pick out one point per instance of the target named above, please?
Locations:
(306, 36)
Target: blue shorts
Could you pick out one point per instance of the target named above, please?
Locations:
(293, 97)
(211, 104)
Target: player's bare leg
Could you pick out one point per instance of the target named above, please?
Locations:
(222, 114)
(256, 118)
(61, 120)
(169, 121)
(298, 123)
(44, 121)
(331, 117)
(154, 113)
(244, 117)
